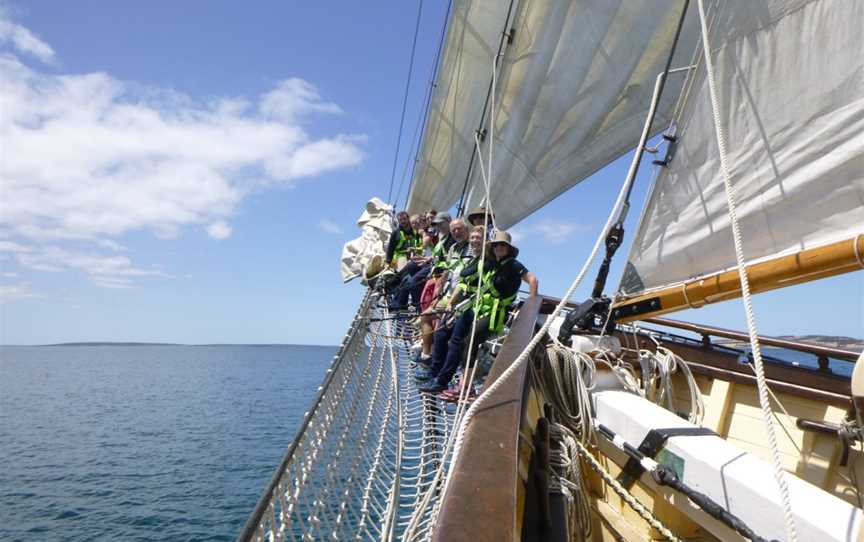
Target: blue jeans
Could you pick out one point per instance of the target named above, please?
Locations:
(447, 345)
(413, 279)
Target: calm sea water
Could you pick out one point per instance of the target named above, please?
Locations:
(145, 442)
(152, 442)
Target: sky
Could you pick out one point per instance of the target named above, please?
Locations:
(189, 171)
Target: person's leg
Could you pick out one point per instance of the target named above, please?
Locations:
(440, 341)
(480, 336)
(418, 281)
(404, 289)
(461, 330)
(427, 330)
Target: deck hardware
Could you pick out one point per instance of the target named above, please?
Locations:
(652, 444)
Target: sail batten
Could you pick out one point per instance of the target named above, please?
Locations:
(572, 93)
(791, 86)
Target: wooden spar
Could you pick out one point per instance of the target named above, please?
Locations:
(811, 264)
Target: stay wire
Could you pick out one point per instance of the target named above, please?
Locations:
(405, 101)
(421, 121)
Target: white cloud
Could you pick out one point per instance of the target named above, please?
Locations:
(329, 226)
(23, 40)
(104, 271)
(292, 98)
(551, 231)
(13, 292)
(112, 245)
(91, 157)
(219, 230)
(10, 275)
(88, 156)
(9, 246)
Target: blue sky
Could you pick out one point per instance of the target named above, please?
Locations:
(188, 172)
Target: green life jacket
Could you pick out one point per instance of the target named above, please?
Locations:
(491, 303)
(455, 260)
(439, 254)
(468, 284)
(406, 241)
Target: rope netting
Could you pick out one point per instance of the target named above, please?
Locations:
(367, 451)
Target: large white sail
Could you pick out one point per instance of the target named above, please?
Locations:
(572, 94)
(790, 80)
(462, 84)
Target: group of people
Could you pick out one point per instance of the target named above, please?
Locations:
(454, 271)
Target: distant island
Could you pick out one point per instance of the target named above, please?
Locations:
(830, 341)
(833, 341)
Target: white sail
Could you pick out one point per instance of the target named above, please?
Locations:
(791, 91)
(461, 87)
(572, 94)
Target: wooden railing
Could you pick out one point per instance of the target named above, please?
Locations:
(480, 504)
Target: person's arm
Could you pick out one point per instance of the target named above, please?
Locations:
(391, 245)
(532, 282)
(454, 299)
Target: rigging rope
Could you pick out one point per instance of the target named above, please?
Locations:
(535, 340)
(764, 402)
(421, 120)
(405, 102)
(468, 370)
(628, 498)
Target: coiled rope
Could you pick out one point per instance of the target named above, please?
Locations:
(764, 402)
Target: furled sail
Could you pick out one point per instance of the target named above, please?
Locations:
(364, 256)
(571, 96)
(790, 78)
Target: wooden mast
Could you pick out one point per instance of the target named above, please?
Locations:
(811, 264)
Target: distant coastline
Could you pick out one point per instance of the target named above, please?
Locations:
(831, 341)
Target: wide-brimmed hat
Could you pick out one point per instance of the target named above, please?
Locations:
(500, 236)
(441, 217)
(477, 212)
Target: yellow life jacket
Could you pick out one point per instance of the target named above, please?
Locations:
(406, 241)
(491, 303)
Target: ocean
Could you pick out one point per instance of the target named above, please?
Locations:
(153, 443)
(145, 442)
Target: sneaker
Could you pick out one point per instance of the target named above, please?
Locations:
(421, 376)
(424, 361)
(449, 395)
(432, 387)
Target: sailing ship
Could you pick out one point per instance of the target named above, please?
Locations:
(602, 420)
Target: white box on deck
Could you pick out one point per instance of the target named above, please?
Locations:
(733, 478)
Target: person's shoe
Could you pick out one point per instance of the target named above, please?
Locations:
(421, 376)
(432, 387)
(450, 395)
(424, 361)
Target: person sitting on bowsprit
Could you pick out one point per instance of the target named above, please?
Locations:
(402, 242)
(436, 288)
(498, 289)
(479, 216)
(414, 275)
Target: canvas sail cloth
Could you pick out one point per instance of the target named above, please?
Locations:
(790, 79)
(364, 256)
(572, 94)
